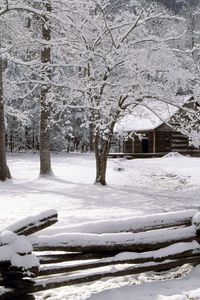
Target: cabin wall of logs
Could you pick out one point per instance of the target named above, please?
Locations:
(157, 142)
(31, 261)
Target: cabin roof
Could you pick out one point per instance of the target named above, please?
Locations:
(146, 119)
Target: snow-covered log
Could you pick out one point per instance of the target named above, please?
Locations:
(176, 251)
(115, 242)
(136, 224)
(55, 281)
(34, 223)
(57, 258)
(36, 285)
(16, 258)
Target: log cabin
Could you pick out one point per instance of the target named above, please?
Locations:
(151, 134)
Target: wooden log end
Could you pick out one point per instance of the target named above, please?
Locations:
(196, 222)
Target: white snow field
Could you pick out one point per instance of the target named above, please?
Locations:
(135, 188)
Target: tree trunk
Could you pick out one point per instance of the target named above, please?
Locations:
(4, 170)
(45, 155)
(101, 149)
(91, 138)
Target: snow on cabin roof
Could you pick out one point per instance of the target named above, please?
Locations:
(144, 119)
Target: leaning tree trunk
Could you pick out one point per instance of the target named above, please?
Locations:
(45, 155)
(4, 170)
(101, 149)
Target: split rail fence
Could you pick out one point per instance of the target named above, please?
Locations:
(32, 262)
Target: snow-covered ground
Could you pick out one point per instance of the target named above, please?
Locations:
(135, 187)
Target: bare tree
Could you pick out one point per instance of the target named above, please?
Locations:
(45, 155)
(4, 170)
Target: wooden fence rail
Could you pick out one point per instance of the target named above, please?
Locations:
(163, 242)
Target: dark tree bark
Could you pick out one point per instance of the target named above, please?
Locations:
(101, 149)
(45, 155)
(91, 138)
(4, 170)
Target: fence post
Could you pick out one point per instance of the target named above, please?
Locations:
(17, 266)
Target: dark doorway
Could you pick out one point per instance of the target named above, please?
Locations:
(145, 146)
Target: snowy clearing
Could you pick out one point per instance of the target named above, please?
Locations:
(143, 186)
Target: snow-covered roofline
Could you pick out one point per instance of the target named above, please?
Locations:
(150, 117)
